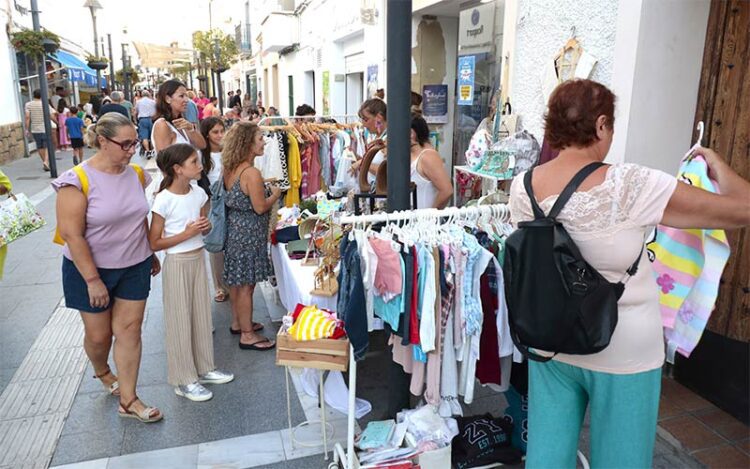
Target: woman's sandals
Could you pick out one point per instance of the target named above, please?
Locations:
(114, 388)
(145, 416)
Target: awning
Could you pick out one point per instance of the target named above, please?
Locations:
(77, 68)
(158, 56)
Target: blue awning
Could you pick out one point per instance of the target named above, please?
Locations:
(77, 68)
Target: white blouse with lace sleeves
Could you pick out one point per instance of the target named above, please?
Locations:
(609, 223)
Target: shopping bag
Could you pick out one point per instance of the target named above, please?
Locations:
(18, 217)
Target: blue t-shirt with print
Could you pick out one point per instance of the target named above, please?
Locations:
(75, 127)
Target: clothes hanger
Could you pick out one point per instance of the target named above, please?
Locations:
(690, 154)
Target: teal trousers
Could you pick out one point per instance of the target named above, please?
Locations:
(623, 411)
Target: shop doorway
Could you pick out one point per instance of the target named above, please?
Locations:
(719, 367)
(309, 87)
(275, 84)
(251, 85)
(354, 92)
(478, 66)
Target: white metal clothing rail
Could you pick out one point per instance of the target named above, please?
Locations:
(500, 211)
(496, 210)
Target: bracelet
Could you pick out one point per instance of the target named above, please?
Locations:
(91, 279)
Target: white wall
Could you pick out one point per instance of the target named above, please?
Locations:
(450, 34)
(666, 78)
(543, 27)
(9, 112)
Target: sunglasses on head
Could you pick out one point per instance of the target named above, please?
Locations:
(125, 145)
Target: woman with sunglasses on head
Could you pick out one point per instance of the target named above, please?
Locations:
(107, 260)
(170, 126)
(373, 114)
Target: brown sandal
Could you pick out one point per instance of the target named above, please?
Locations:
(114, 388)
(221, 296)
(144, 416)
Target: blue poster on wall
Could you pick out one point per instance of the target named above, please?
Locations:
(465, 80)
(435, 104)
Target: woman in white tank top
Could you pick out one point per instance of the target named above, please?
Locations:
(434, 188)
(169, 125)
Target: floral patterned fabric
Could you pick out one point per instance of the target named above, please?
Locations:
(18, 217)
(246, 260)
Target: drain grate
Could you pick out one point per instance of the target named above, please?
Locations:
(28, 178)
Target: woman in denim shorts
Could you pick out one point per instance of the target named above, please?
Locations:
(107, 261)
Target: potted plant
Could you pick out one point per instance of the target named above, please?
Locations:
(97, 63)
(35, 44)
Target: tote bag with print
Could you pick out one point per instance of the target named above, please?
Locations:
(18, 217)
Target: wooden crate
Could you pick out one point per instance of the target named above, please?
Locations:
(321, 354)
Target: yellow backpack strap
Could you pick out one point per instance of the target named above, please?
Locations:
(83, 178)
(139, 172)
(84, 188)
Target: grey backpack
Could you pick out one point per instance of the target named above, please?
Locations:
(215, 239)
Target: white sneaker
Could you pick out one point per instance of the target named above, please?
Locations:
(195, 392)
(216, 377)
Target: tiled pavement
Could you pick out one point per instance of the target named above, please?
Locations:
(701, 430)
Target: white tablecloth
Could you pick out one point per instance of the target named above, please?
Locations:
(295, 281)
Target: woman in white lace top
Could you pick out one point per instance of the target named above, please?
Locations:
(608, 218)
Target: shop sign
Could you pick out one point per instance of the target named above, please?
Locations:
(465, 80)
(435, 104)
(476, 26)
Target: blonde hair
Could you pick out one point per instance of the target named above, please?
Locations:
(107, 126)
(237, 143)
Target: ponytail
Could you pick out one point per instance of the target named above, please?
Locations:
(173, 155)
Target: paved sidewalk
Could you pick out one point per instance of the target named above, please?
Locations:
(31, 287)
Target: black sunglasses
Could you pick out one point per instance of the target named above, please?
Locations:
(126, 145)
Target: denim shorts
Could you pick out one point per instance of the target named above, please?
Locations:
(40, 139)
(128, 283)
(145, 124)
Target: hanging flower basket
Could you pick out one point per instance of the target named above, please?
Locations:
(202, 77)
(97, 63)
(35, 43)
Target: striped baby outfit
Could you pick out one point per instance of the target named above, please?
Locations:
(688, 265)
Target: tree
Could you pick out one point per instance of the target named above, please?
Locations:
(205, 41)
(134, 78)
(181, 72)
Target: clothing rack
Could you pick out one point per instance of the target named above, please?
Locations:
(307, 118)
(453, 213)
(494, 210)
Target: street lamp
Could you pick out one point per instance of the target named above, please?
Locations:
(125, 74)
(94, 5)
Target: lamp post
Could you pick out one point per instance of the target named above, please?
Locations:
(111, 62)
(125, 74)
(219, 69)
(94, 5)
(42, 71)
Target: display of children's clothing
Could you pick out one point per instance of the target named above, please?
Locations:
(443, 303)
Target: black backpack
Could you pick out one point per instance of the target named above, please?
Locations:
(557, 302)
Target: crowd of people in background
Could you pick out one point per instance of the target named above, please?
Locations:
(69, 121)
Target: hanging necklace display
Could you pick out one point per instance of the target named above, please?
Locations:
(325, 275)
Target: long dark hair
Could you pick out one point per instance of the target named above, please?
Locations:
(420, 128)
(163, 109)
(206, 125)
(170, 156)
(61, 105)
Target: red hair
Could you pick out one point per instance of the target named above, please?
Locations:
(572, 111)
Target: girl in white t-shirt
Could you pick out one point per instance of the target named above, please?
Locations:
(212, 129)
(178, 221)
